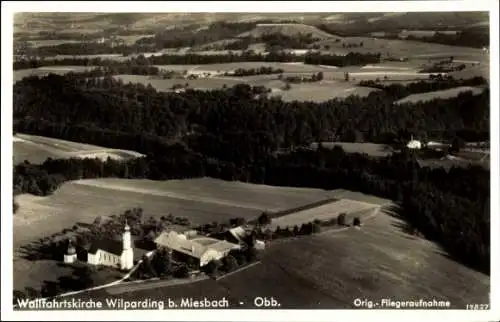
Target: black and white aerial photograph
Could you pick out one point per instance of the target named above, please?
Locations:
(250, 160)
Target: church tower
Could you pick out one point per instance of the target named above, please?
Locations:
(127, 258)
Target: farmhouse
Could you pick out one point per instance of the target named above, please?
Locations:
(237, 235)
(200, 249)
(414, 144)
(110, 252)
(202, 73)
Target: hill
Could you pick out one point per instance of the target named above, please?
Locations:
(330, 270)
(36, 149)
(287, 29)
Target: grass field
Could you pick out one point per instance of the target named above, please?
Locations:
(36, 149)
(372, 149)
(402, 48)
(444, 94)
(165, 85)
(324, 212)
(43, 71)
(200, 200)
(330, 270)
(286, 29)
(323, 91)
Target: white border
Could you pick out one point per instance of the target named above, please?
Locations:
(265, 6)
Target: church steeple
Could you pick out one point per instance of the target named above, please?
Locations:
(126, 237)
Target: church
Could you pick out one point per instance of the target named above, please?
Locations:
(114, 253)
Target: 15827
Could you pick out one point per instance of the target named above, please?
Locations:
(477, 306)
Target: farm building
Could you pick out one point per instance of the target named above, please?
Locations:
(414, 144)
(110, 252)
(202, 73)
(200, 249)
(237, 235)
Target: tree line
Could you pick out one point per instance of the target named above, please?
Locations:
(197, 59)
(264, 70)
(107, 112)
(399, 91)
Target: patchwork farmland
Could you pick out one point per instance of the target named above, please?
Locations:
(447, 93)
(325, 212)
(36, 149)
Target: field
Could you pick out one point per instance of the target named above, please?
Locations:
(286, 29)
(425, 33)
(43, 71)
(165, 85)
(200, 200)
(333, 268)
(323, 91)
(444, 94)
(402, 48)
(372, 149)
(323, 213)
(36, 149)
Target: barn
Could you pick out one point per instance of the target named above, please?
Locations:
(199, 250)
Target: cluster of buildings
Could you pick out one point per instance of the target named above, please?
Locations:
(201, 249)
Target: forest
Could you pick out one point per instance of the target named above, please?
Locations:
(231, 135)
(188, 59)
(438, 83)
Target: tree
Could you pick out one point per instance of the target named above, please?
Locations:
(356, 221)
(457, 144)
(182, 272)
(161, 262)
(341, 219)
(15, 206)
(18, 295)
(230, 263)
(251, 254)
(212, 268)
(147, 268)
(264, 219)
(84, 275)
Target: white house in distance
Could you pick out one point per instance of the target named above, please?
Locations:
(110, 252)
(202, 249)
(414, 144)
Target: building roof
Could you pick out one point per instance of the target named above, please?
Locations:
(108, 245)
(192, 247)
(238, 232)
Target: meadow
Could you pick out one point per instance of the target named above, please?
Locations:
(324, 213)
(200, 200)
(43, 71)
(401, 48)
(330, 270)
(372, 149)
(36, 149)
(443, 94)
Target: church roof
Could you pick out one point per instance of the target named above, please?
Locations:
(108, 245)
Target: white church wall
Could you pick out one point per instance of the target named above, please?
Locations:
(69, 258)
(93, 259)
